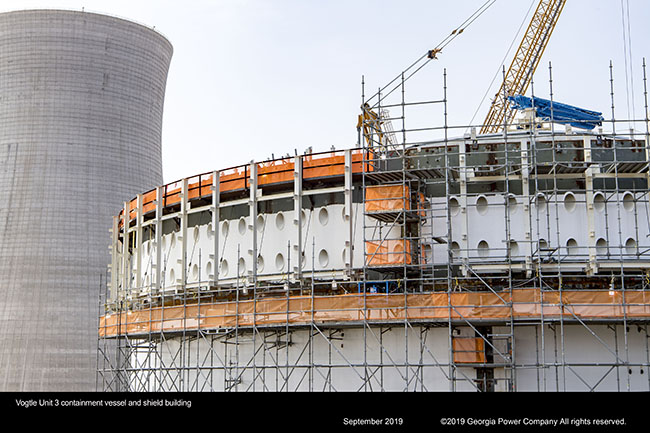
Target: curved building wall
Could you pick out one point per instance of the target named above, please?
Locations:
(81, 104)
(356, 272)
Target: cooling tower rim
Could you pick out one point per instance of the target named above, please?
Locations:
(101, 14)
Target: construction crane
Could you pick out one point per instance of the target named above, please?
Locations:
(371, 124)
(523, 66)
(374, 124)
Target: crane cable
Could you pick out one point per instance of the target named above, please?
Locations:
(627, 52)
(499, 70)
(431, 54)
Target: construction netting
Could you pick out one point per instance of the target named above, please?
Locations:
(437, 306)
(468, 350)
(388, 252)
(387, 198)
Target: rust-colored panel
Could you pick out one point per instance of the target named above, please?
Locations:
(527, 303)
(468, 350)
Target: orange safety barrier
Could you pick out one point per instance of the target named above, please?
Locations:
(277, 171)
(388, 252)
(199, 186)
(437, 306)
(468, 350)
(387, 198)
(268, 173)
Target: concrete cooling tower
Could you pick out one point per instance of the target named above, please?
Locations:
(81, 105)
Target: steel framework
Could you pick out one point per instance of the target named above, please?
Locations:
(429, 309)
(520, 73)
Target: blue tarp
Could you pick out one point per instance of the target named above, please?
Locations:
(562, 113)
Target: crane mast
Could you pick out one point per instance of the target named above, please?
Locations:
(522, 68)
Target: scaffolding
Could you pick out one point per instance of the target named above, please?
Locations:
(503, 262)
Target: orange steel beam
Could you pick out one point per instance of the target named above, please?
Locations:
(524, 64)
(437, 306)
(269, 173)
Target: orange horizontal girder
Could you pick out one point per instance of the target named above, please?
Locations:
(269, 173)
(437, 306)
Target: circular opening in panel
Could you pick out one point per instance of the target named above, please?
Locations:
(343, 213)
(210, 231)
(630, 246)
(323, 258)
(572, 246)
(163, 242)
(482, 205)
(223, 271)
(279, 221)
(195, 272)
(260, 223)
(173, 241)
(279, 262)
(208, 268)
(512, 204)
(260, 263)
(172, 277)
(455, 248)
(601, 246)
(323, 216)
(241, 266)
(396, 247)
(344, 255)
(196, 233)
(599, 201)
(569, 202)
(628, 201)
(483, 249)
(303, 217)
(454, 206)
(513, 248)
(224, 228)
(540, 202)
(241, 226)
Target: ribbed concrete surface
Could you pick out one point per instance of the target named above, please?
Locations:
(81, 103)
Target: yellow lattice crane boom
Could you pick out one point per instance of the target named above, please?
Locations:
(522, 68)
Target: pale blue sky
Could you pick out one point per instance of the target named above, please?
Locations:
(254, 77)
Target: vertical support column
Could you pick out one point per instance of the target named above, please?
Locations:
(647, 136)
(349, 247)
(159, 212)
(216, 201)
(115, 259)
(464, 241)
(183, 234)
(125, 250)
(592, 268)
(252, 203)
(647, 154)
(525, 192)
(297, 219)
(138, 239)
